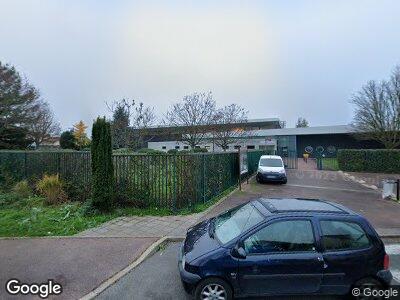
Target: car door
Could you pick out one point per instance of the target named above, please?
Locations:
(281, 258)
(347, 252)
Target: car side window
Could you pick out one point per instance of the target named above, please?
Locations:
(340, 235)
(282, 236)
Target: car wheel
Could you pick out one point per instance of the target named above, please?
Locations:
(258, 179)
(284, 182)
(365, 284)
(213, 289)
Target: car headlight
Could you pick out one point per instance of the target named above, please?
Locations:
(282, 171)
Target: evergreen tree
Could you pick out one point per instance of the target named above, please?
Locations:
(18, 99)
(102, 166)
(67, 140)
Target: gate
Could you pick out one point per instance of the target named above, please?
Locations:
(289, 157)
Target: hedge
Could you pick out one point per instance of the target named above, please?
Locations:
(370, 160)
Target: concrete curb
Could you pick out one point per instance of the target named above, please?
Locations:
(147, 253)
(359, 181)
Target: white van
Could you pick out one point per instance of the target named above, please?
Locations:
(271, 168)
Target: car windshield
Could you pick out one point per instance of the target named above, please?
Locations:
(235, 221)
(270, 162)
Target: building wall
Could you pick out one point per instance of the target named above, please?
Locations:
(328, 144)
(252, 143)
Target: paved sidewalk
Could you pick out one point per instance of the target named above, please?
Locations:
(78, 264)
(149, 226)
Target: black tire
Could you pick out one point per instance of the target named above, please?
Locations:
(362, 284)
(284, 181)
(258, 179)
(203, 285)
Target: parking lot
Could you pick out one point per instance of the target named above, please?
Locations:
(327, 185)
(158, 276)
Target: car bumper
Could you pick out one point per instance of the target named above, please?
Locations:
(385, 276)
(272, 177)
(189, 280)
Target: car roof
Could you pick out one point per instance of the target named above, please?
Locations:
(271, 156)
(294, 206)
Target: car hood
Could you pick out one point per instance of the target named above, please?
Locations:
(271, 169)
(198, 241)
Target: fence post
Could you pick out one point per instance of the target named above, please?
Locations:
(25, 166)
(204, 178)
(398, 189)
(240, 181)
(175, 186)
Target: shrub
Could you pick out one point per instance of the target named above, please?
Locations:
(50, 186)
(172, 151)
(369, 160)
(199, 150)
(22, 189)
(102, 165)
(150, 151)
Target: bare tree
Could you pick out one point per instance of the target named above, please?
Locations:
(43, 124)
(192, 116)
(130, 123)
(224, 133)
(301, 123)
(377, 112)
(143, 118)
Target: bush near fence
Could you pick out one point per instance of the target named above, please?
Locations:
(369, 160)
(141, 180)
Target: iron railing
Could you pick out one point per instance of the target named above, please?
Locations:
(166, 180)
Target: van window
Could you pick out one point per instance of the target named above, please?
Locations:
(283, 236)
(340, 235)
(271, 162)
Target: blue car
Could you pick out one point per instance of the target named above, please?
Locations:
(282, 247)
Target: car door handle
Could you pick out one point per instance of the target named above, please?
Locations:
(321, 259)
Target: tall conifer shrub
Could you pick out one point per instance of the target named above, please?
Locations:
(102, 166)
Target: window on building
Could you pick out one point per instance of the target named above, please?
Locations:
(283, 236)
(177, 147)
(207, 147)
(251, 147)
(164, 147)
(236, 147)
(197, 147)
(185, 147)
(339, 235)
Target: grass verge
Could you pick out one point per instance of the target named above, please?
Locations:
(30, 217)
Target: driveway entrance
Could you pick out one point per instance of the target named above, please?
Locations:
(327, 185)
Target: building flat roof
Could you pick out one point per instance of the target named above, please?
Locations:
(306, 130)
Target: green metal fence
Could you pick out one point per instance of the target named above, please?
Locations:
(327, 163)
(173, 181)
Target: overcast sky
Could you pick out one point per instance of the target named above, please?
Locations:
(276, 58)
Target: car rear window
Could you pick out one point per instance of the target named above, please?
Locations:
(270, 162)
(340, 235)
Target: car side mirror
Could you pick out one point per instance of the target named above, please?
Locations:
(238, 252)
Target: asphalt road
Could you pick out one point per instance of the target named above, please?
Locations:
(158, 278)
